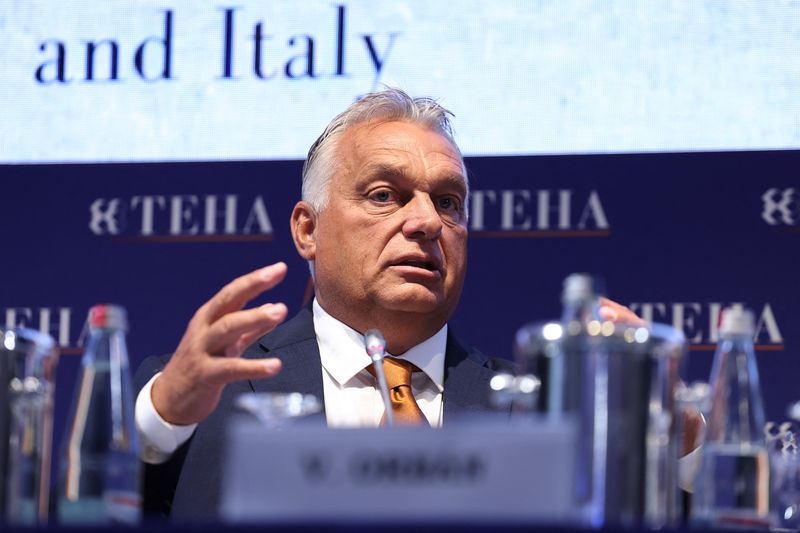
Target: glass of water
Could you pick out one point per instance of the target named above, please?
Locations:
(275, 410)
(785, 473)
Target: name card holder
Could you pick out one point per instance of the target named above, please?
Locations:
(463, 472)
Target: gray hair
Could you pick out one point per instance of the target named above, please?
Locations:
(388, 105)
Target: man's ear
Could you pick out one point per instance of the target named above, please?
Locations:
(304, 224)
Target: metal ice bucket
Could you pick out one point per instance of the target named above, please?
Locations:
(619, 382)
(28, 361)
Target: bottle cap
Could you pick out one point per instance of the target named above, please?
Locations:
(794, 411)
(737, 321)
(577, 288)
(108, 316)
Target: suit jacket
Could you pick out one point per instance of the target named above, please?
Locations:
(188, 485)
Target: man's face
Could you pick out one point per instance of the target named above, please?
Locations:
(393, 236)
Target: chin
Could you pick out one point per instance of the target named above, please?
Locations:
(417, 300)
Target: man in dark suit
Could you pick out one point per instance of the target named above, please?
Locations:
(383, 225)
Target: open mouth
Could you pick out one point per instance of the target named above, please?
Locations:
(420, 265)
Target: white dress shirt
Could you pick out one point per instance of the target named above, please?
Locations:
(350, 394)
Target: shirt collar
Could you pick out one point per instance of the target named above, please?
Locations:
(343, 354)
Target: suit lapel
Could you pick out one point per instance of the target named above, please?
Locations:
(295, 344)
(466, 380)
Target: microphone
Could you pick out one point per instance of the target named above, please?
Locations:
(376, 349)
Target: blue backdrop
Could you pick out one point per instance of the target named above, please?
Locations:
(676, 237)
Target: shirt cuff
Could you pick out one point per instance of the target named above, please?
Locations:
(158, 439)
(688, 465)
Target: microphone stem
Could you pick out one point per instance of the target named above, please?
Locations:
(377, 362)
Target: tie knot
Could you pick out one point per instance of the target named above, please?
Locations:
(398, 380)
(398, 372)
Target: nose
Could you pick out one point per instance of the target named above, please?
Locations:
(422, 220)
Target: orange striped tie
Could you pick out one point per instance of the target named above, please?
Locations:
(404, 407)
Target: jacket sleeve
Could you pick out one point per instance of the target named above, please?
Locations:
(158, 481)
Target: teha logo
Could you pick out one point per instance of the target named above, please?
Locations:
(781, 207)
(184, 217)
(699, 322)
(55, 321)
(537, 213)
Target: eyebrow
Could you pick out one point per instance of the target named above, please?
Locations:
(382, 169)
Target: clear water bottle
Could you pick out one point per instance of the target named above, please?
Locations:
(568, 364)
(578, 372)
(100, 473)
(732, 488)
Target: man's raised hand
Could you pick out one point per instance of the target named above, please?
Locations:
(208, 356)
(611, 310)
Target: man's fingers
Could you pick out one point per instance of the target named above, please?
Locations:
(611, 310)
(228, 370)
(238, 292)
(229, 328)
(249, 337)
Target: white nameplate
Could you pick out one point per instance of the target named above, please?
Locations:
(461, 472)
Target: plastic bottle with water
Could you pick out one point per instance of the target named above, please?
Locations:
(732, 487)
(100, 470)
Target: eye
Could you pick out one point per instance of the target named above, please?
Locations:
(382, 196)
(449, 203)
(450, 207)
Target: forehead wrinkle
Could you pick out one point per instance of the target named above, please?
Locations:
(395, 160)
(374, 169)
(393, 147)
